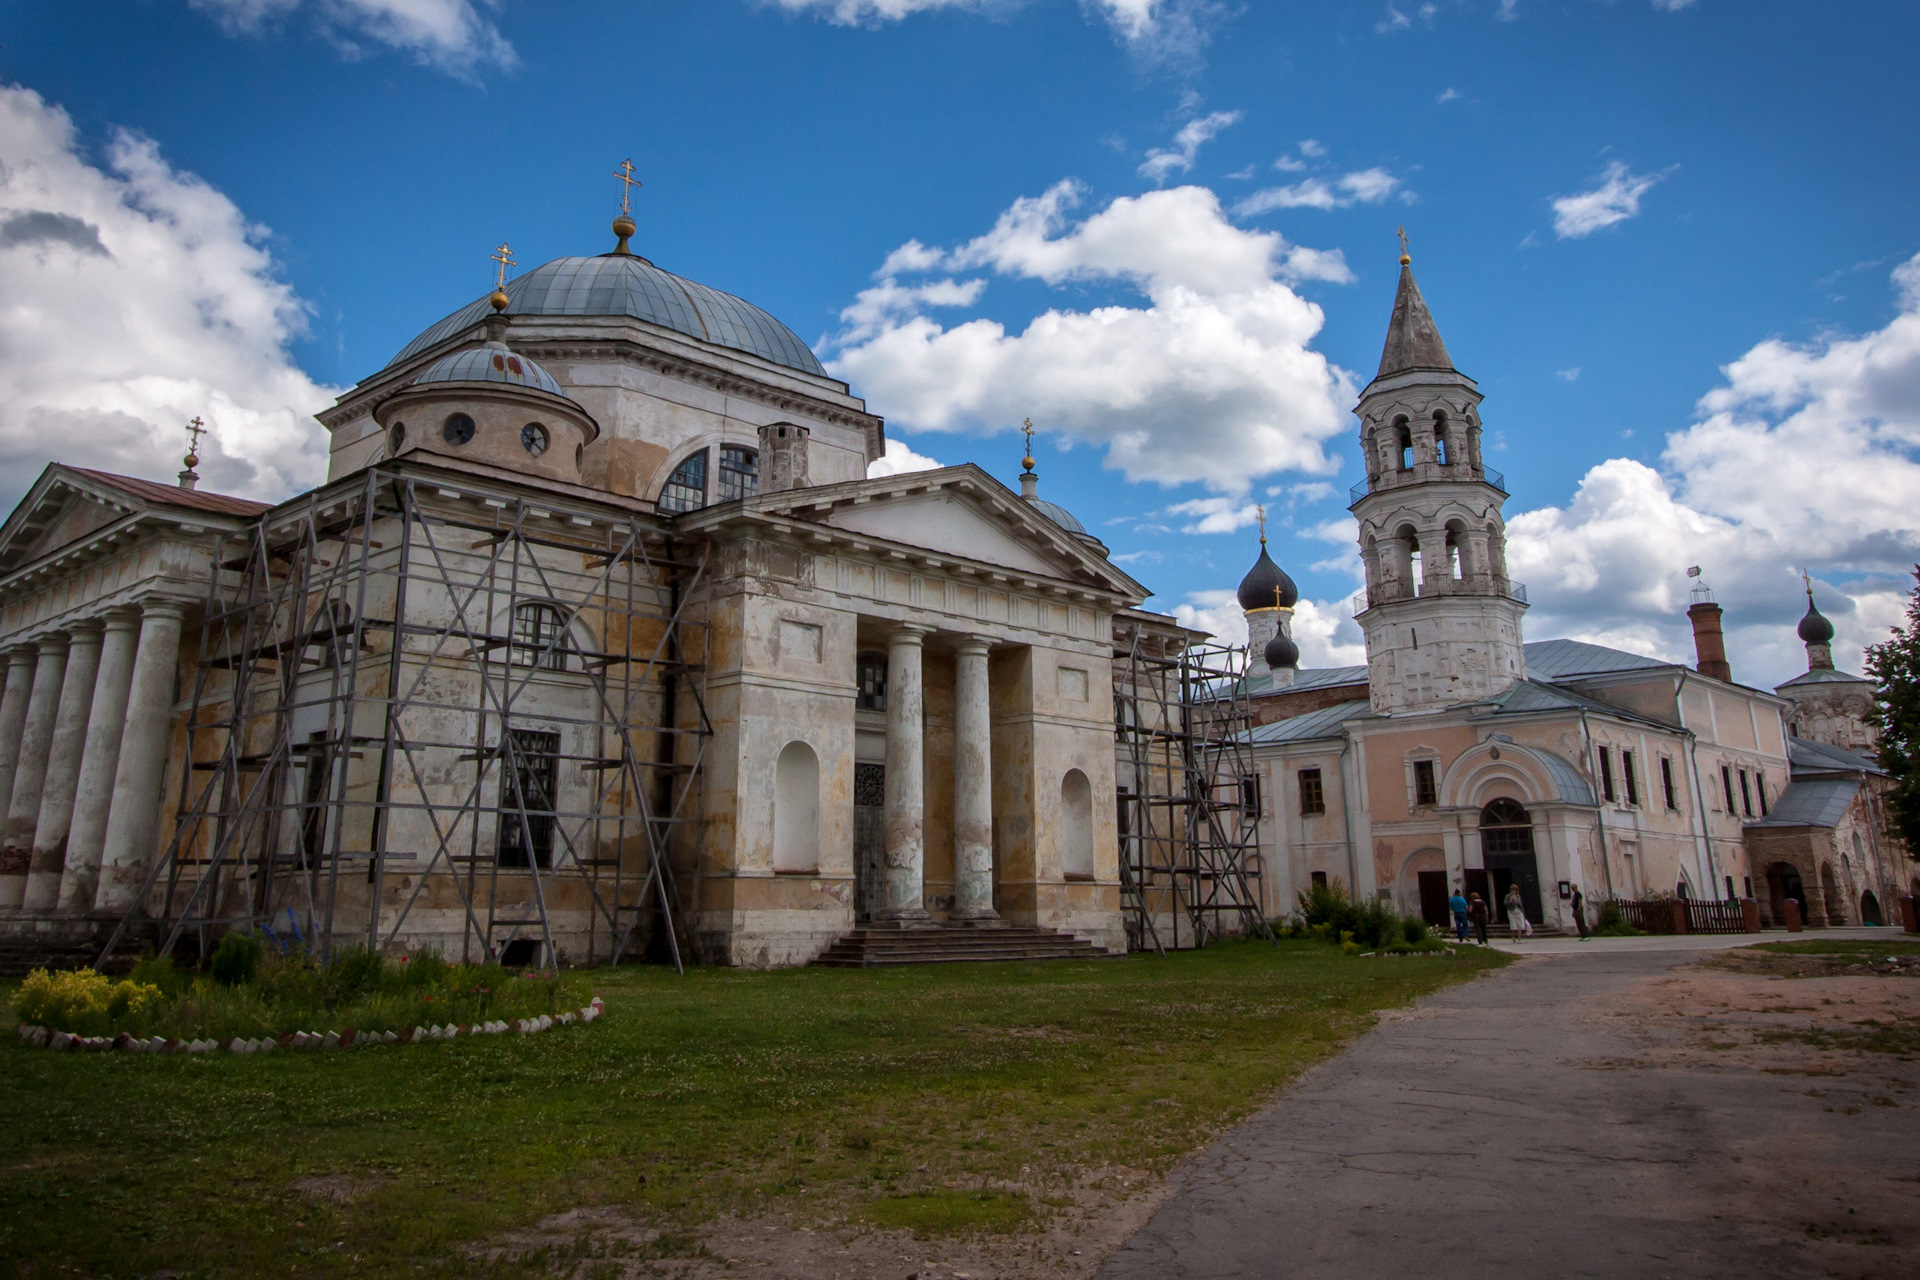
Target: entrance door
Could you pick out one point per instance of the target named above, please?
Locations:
(869, 839)
(1433, 899)
(1506, 843)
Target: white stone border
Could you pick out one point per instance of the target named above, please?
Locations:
(59, 1041)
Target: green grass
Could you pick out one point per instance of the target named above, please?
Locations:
(938, 1098)
(1893, 944)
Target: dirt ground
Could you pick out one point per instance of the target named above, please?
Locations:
(1833, 1042)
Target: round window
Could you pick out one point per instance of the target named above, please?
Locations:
(458, 429)
(535, 438)
(396, 436)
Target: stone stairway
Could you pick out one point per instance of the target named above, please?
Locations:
(872, 946)
(44, 940)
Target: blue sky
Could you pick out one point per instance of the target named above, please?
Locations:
(1664, 237)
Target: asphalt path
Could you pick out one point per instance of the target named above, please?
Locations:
(1476, 1137)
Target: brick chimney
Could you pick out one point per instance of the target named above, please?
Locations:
(1709, 645)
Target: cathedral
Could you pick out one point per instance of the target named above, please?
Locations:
(598, 642)
(1464, 757)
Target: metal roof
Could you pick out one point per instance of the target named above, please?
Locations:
(1821, 757)
(1057, 513)
(1557, 659)
(490, 363)
(1827, 676)
(1812, 802)
(626, 285)
(170, 495)
(1324, 723)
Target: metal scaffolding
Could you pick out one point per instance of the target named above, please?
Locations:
(423, 696)
(1189, 802)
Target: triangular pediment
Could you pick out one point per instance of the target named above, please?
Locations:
(960, 512)
(69, 504)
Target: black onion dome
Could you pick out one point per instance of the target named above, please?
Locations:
(1282, 652)
(1258, 587)
(1814, 628)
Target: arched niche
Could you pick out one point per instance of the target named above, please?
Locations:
(1076, 826)
(796, 809)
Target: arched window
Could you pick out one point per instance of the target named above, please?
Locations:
(1441, 453)
(686, 488)
(1506, 827)
(1076, 822)
(539, 637)
(872, 677)
(1453, 555)
(739, 475)
(796, 809)
(1403, 437)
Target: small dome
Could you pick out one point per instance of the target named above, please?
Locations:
(1058, 514)
(1257, 589)
(490, 363)
(1814, 628)
(1282, 652)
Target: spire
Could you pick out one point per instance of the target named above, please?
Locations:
(1029, 482)
(1413, 340)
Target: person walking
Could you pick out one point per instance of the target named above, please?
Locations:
(1477, 913)
(1517, 913)
(1458, 905)
(1579, 913)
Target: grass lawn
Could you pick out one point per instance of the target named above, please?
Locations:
(935, 1098)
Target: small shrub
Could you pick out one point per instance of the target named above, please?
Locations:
(235, 958)
(161, 972)
(427, 969)
(1611, 922)
(1413, 930)
(353, 970)
(82, 1002)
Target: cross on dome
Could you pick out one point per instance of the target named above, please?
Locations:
(503, 256)
(627, 183)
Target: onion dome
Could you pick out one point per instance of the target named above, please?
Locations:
(1267, 585)
(491, 363)
(1814, 628)
(1282, 653)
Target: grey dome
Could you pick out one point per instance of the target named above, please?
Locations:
(1058, 514)
(620, 284)
(1267, 585)
(490, 363)
(1814, 628)
(1282, 653)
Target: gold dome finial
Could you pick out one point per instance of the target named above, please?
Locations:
(623, 224)
(499, 298)
(1026, 429)
(1260, 514)
(1405, 260)
(189, 477)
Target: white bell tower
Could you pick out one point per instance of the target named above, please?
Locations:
(1442, 621)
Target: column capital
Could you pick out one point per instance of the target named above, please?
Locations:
(124, 619)
(908, 633)
(973, 644)
(23, 655)
(85, 627)
(160, 606)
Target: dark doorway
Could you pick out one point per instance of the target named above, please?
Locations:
(1506, 847)
(869, 839)
(1433, 899)
(1783, 885)
(1870, 909)
(521, 953)
(528, 778)
(1477, 882)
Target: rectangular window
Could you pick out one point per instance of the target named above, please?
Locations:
(1726, 784)
(1606, 774)
(872, 695)
(1666, 782)
(1313, 797)
(528, 776)
(1425, 791)
(1746, 795)
(1320, 879)
(739, 474)
(1628, 776)
(1760, 785)
(1250, 796)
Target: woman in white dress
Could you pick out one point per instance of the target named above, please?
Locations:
(1517, 913)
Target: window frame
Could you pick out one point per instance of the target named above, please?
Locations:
(1629, 779)
(1666, 784)
(1606, 774)
(1746, 795)
(697, 457)
(527, 646)
(1426, 784)
(1313, 792)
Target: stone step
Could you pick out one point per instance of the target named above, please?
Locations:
(869, 947)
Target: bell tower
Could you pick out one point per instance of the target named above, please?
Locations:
(1442, 620)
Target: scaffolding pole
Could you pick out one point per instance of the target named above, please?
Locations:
(413, 697)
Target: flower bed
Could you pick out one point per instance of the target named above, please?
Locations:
(252, 996)
(38, 1037)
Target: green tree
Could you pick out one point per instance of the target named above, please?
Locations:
(1894, 665)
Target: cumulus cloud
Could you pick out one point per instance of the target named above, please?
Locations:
(452, 35)
(1215, 515)
(1614, 200)
(1325, 630)
(898, 460)
(1213, 380)
(1164, 161)
(1157, 31)
(1807, 454)
(139, 297)
(1364, 186)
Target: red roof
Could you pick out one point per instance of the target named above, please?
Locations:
(168, 495)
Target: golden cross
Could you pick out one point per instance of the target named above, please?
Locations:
(1403, 240)
(1277, 589)
(503, 256)
(195, 429)
(627, 183)
(1026, 429)
(1260, 514)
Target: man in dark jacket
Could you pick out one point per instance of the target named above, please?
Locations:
(1477, 913)
(1579, 912)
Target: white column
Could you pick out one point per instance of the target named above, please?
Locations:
(135, 809)
(904, 815)
(43, 703)
(972, 784)
(63, 769)
(13, 718)
(93, 795)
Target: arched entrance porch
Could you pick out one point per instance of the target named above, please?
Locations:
(1506, 850)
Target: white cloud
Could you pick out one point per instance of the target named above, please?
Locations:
(1157, 31)
(1215, 515)
(1287, 164)
(1807, 454)
(1364, 186)
(452, 35)
(1325, 630)
(138, 297)
(1161, 162)
(1616, 199)
(898, 460)
(1311, 147)
(1213, 380)
(1569, 375)
(1448, 95)
(889, 302)
(1395, 20)
(1672, 6)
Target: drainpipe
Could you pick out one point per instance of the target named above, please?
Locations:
(1599, 812)
(1693, 767)
(1346, 816)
